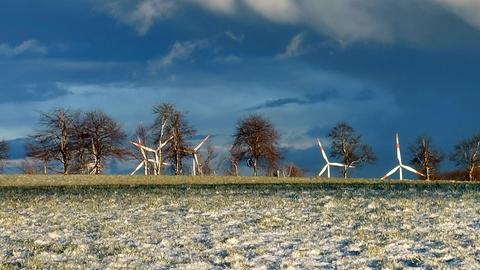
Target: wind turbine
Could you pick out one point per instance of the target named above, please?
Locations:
(157, 162)
(329, 164)
(145, 161)
(158, 152)
(195, 164)
(400, 166)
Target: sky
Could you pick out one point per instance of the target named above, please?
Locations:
(384, 66)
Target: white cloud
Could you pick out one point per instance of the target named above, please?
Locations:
(296, 47)
(220, 6)
(283, 11)
(140, 14)
(468, 10)
(27, 47)
(346, 21)
(235, 37)
(179, 51)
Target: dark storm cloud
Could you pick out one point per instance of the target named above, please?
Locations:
(310, 98)
(409, 67)
(277, 103)
(31, 93)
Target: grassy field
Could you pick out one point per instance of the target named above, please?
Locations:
(122, 180)
(112, 222)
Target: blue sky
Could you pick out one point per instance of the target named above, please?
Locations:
(382, 65)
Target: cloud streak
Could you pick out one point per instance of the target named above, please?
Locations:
(235, 37)
(346, 21)
(140, 14)
(310, 98)
(180, 51)
(31, 46)
(296, 47)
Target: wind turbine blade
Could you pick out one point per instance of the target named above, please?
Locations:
(322, 150)
(144, 155)
(148, 149)
(323, 170)
(399, 154)
(165, 142)
(390, 173)
(194, 166)
(136, 144)
(197, 163)
(137, 169)
(201, 144)
(337, 164)
(143, 147)
(408, 168)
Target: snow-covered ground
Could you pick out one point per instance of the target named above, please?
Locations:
(241, 227)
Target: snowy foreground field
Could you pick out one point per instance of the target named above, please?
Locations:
(325, 226)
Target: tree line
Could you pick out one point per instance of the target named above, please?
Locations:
(82, 142)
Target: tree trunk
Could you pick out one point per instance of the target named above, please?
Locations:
(177, 164)
(470, 173)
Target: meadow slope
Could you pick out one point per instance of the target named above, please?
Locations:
(357, 224)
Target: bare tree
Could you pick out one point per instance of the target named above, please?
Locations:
(256, 140)
(39, 150)
(227, 165)
(208, 160)
(141, 137)
(467, 155)
(426, 156)
(175, 124)
(81, 141)
(4, 155)
(348, 146)
(31, 166)
(107, 140)
(53, 142)
(293, 170)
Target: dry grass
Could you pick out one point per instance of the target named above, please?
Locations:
(27, 181)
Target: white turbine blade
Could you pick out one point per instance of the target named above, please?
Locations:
(399, 154)
(323, 170)
(144, 155)
(165, 142)
(196, 158)
(390, 173)
(337, 164)
(137, 169)
(408, 168)
(136, 144)
(143, 147)
(322, 150)
(201, 144)
(194, 166)
(149, 149)
(197, 163)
